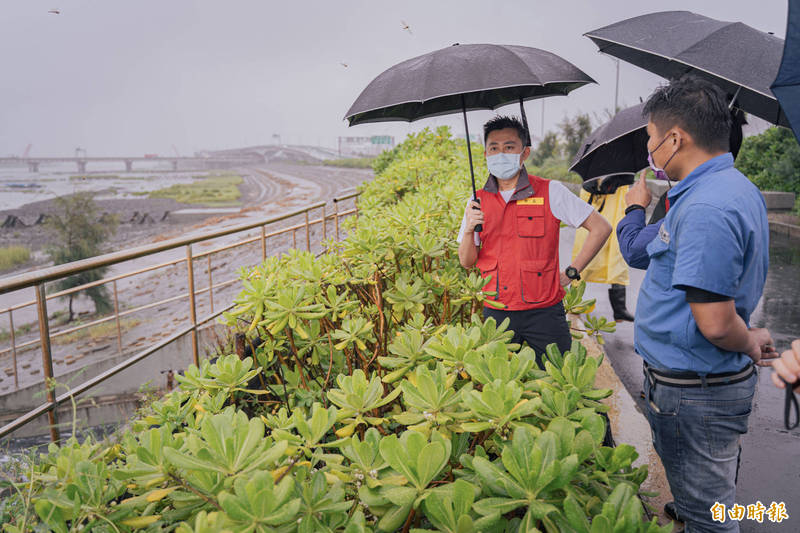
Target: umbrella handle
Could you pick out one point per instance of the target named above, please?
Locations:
(479, 227)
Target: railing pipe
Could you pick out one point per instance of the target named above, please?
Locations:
(47, 360)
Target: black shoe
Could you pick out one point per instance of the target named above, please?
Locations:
(616, 295)
(671, 511)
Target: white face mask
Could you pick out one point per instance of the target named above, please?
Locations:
(504, 166)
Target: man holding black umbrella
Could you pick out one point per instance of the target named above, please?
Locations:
(517, 249)
(706, 273)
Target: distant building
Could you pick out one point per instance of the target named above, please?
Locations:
(365, 146)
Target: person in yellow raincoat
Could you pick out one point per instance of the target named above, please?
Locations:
(607, 196)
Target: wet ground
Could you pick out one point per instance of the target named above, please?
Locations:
(770, 468)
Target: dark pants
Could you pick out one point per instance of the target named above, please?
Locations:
(537, 327)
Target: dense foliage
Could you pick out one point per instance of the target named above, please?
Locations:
(772, 161)
(376, 400)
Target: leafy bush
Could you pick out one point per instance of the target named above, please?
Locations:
(377, 400)
(771, 160)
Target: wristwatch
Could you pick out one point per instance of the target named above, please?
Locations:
(572, 273)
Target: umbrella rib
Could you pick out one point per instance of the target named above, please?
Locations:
(770, 96)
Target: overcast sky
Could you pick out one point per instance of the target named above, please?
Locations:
(133, 77)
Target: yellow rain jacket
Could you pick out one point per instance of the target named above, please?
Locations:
(608, 266)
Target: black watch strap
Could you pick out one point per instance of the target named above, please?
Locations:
(572, 273)
(634, 207)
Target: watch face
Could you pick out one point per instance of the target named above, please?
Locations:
(571, 272)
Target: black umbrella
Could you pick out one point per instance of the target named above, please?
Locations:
(787, 84)
(462, 78)
(617, 147)
(741, 60)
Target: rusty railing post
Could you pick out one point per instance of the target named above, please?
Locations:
(13, 347)
(336, 216)
(263, 243)
(324, 225)
(192, 308)
(308, 234)
(294, 238)
(210, 285)
(116, 315)
(47, 360)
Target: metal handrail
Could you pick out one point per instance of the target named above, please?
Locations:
(38, 279)
(117, 277)
(30, 279)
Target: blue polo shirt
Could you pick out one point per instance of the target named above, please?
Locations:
(715, 237)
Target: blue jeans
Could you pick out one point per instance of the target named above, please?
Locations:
(696, 433)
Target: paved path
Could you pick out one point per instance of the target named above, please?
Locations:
(770, 469)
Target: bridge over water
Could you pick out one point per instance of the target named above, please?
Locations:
(211, 161)
(205, 159)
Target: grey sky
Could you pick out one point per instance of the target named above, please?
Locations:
(125, 78)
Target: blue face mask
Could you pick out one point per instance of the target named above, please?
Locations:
(504, 166)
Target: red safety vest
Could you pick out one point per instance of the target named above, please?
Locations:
(519, 245)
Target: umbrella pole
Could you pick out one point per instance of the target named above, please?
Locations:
(525, 122)
(469, 148)
(479, 227)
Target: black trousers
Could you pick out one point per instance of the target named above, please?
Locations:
(537, 327)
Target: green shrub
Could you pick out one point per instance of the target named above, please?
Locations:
(772, 161)
(378, 400)
(11, 256)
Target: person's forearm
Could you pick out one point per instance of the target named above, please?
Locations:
(723, 327)
(467, 251)
(594, 242)
(634, 236)
(733, 338)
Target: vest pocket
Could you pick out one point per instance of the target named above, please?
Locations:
(530, 221)
(537, 283)
(488, 267)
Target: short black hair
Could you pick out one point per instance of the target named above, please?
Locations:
(501, 122)
(697, 106)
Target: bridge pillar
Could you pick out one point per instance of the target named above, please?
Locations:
(128, 165)
(81, 166)
(33, 166)
(174, 164)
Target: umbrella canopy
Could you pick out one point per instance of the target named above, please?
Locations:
(787, 84)
(617, 147)
(741, 60)
(462, 78)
